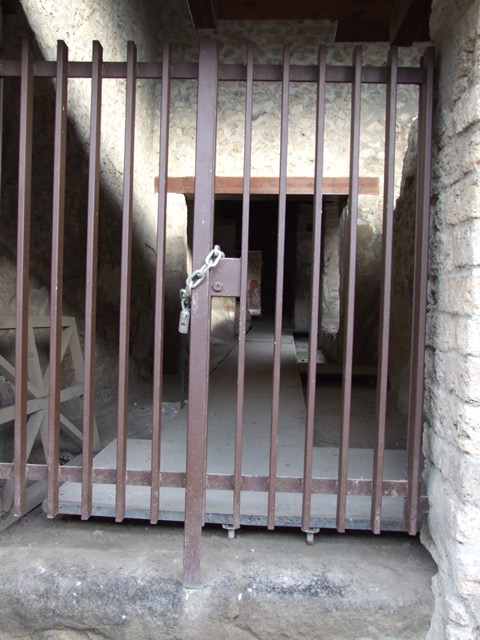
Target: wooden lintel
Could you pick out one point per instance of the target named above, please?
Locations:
(407, 20)
(269, 186)
(203, 13)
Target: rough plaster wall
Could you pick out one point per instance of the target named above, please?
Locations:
(303, 268)
(149, 24)
(452, 443)
(402, 277)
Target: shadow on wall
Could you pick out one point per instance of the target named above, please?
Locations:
(16, 28)
(402, 277)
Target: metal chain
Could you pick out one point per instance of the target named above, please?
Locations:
(198, 276)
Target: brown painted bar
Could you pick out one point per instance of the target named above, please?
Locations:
(315, 292)
(23, 280)
(91, 280)
(56, 287)
(277, 348)
(125, 281)
(243, 289)
(284, 484)
(419, 311)
(160, 288)
(228, 185)
(2, 92)
(200, 315)
(349, 292)
(386, 288)
(227, 72)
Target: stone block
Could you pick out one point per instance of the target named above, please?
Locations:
(456, 610)
(460, 246)
(461, 470)
(459, 201)
(454, 420)
(465, 531)
(458, 159)
(458, 333)
(459, 374)
(459, 293)
(467, 109)
(441, 513)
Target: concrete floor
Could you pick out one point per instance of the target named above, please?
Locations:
(256, 443)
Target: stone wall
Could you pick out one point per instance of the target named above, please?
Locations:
(452, 439)
(402, 278)
(149, 24)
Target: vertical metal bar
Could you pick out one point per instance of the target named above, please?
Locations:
(350, 270)
(277, 343)
(243, 289)
(386, 287)
(56, 288)
(1, 129)
(23, 279)
(315, 290)
(125, 282)
(200, 315)
(160, 287)
(419, 311)
(91, 280)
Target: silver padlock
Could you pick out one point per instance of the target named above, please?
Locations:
(184, 321)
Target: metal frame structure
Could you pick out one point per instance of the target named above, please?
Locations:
(232, 272)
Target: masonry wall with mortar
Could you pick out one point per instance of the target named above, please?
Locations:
(452, 438)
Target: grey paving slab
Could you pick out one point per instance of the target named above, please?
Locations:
(256, 448)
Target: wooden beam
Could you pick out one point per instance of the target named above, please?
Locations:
(408, 19)
(370, 31)
(225, 185)
(203, 13)
(300, 9)
(10, 6)
(365, 23)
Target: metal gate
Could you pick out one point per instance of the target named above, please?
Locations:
(231, 278)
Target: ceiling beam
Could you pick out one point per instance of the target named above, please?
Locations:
(407, 20)
(349, 31)
(302, 9)
(10, 6)
(203, 13)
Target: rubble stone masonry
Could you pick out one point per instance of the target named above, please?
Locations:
(452, 437)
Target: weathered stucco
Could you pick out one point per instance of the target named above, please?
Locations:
(149, 24)
(452, 438)
(402, 277)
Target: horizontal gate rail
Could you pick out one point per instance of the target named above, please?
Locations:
(226, 72)
(283, 484)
